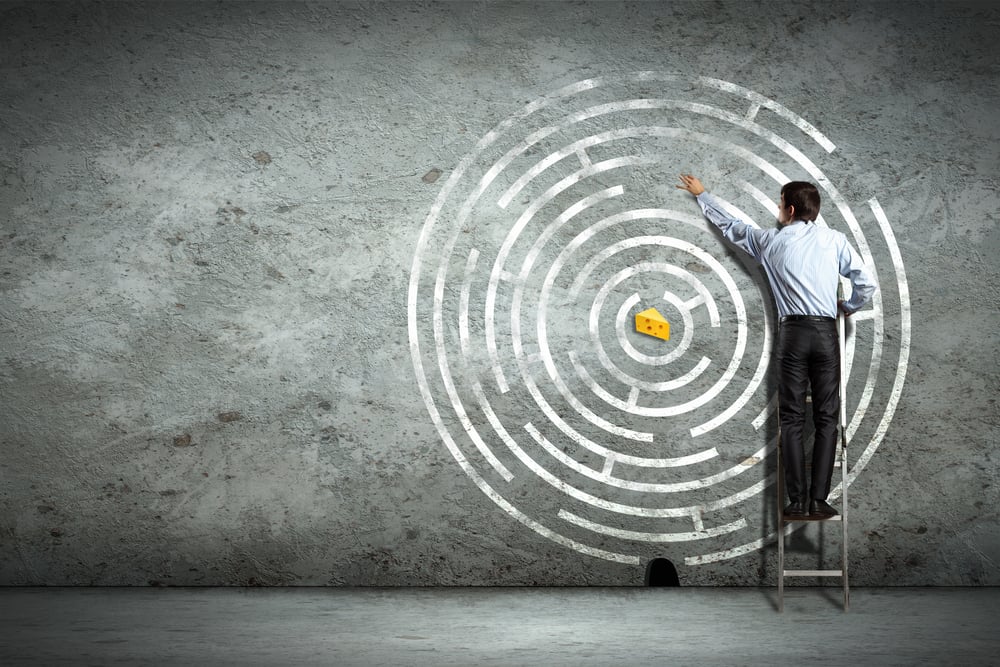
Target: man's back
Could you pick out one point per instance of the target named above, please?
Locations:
(802, 261)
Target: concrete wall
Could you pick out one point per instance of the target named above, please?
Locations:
(267, 317)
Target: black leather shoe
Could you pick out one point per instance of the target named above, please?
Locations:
(821, 509)
(796, 508)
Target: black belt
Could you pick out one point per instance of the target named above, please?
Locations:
(807, 318)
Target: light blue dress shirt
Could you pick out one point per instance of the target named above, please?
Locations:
(802, 261)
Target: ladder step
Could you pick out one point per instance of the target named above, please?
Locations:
(813, 573)
(789, 519)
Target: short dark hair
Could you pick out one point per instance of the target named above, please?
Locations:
(804, 197)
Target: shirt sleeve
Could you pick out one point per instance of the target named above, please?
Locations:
(744, 235)
(863, 284)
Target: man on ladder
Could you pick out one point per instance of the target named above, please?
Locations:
(803, 262)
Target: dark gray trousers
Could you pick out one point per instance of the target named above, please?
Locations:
(808, 354)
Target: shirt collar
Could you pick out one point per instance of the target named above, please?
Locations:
(796, 225)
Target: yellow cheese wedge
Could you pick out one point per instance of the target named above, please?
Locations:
(651, 323)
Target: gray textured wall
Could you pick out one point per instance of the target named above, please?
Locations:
(222, 228)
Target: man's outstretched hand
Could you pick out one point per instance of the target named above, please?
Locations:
(691, 184)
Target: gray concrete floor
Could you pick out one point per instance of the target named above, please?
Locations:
(497, 626)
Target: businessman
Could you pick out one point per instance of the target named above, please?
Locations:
(803, 262)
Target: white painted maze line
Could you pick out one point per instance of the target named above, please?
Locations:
(765, 201)
(449, 384)
(690, 304)
(646, 462)
(633, 397)
(637, 241)
(547, 233)
(512, 236)
(759, 100)
(463, 327)
(564, 390)
(744, 122)
(516, 336)
(648, 487)
(553, 228)
(636, 385)
(768, 410)
(714, 557)
(570, 432)
(699, 534)
(593, 417)
(904, 342)
(435, 415)
(745, 397)
(609, 464)
(878, 335)
(463, 312)
(657, 131)
(577, 148)
(605, 476)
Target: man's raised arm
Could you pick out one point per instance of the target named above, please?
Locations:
(740, 233)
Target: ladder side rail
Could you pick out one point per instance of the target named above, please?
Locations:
(842, 349)
(781, 526)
